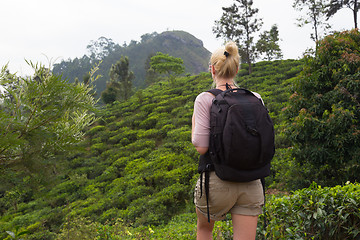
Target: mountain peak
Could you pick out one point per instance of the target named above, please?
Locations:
(183, 37)
(177, 43)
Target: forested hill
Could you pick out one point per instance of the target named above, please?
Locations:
(175, 43)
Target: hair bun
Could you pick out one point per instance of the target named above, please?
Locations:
(226, 60)
(231, 48)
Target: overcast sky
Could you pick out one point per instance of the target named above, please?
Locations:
(49, 30)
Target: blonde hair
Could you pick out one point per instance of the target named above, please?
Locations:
(226, 60)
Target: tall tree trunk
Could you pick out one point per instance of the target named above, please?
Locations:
(250, 66)
(355, 12)
(316, 35)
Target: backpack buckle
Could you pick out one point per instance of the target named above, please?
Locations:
(252, 131)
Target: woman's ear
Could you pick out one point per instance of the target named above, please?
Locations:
(212, 70)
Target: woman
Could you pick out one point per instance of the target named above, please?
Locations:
(243, 200)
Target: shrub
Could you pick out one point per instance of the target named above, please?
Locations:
(179, 134)
(323, 114)
(98, 148)
(95, 129)
(314, 213)
(78, 228)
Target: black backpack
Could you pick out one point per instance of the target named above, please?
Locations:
(241, 138)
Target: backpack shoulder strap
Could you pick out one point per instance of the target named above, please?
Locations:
(215, 91)
(239, 89)
(245, 91)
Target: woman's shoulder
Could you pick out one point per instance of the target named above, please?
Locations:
(204, 96)
(256, 94)
(207, 97)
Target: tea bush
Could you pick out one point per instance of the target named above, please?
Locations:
(314, 213)
(311, 213)
(136, 164)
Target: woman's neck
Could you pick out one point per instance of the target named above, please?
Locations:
(222, 84)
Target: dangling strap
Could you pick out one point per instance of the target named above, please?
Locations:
(201, 181)
(207, 170)
(207, 178)
(263, 185)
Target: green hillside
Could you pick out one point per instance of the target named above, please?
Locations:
(139, 164)
(134, 174)
(175, 43)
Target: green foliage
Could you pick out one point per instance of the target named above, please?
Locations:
(310, 213)
(139, 166)
(323, 113)
(95, 129)
(79, 228)
(15, 235)
(41, 118)
(163, 63)
(111, 93)
(135, 180)
(314, 213)
(120, 80)
(272, 80)
(268, 44)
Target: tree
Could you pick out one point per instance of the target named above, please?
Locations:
(111, 92)
(315, 15)
(75, 68)
(166, 64)
(268, 44)
(120, 85)
(86, 78)
(239, 24)
(324, 112)
(101, 48)
(336, 5)
(148, 36)
(151, 75)
(41, 118)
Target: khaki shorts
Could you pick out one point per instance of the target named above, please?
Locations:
(229, 197)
